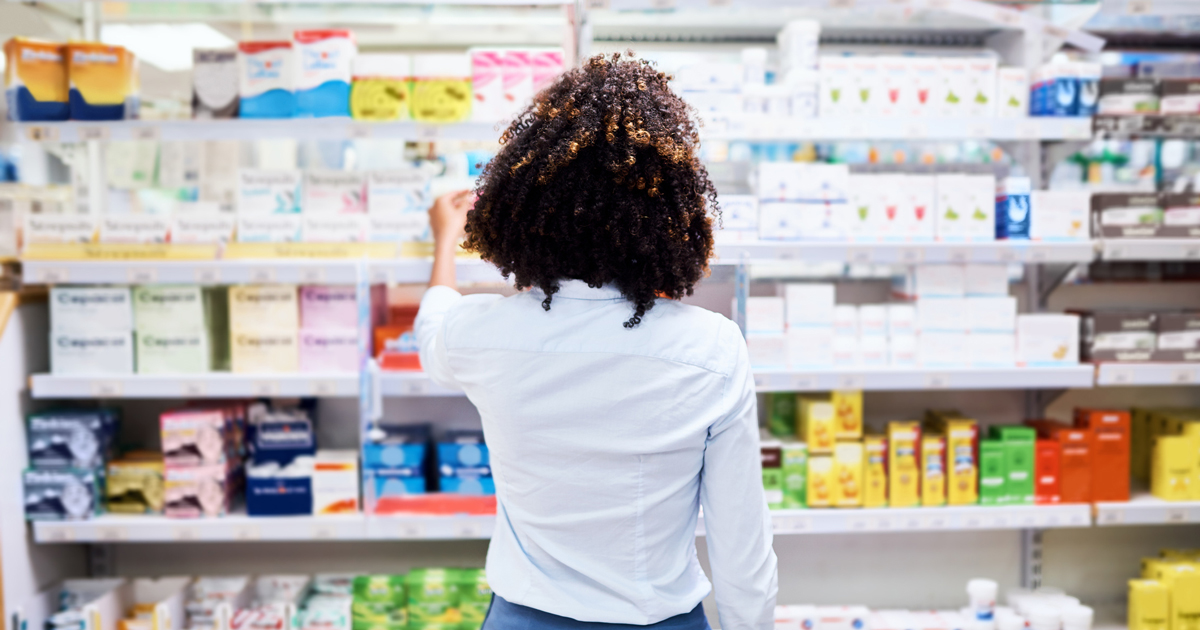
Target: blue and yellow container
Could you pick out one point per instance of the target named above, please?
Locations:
(35, 80)
(102, 80)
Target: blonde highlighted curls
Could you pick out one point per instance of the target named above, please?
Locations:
(598, 180)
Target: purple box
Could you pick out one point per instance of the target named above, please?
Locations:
(329, 350)
(328, 307)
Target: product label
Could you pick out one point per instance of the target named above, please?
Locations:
(203, 227)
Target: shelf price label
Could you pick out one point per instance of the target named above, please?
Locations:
(324, 532)
(93, 132)
(859, 256)
(467, 529)
(1183, 377)
(312, 275)
(193, 389)
(146, 132)
(792, 525)
(858, 524)
(936, 521)
(937, 381)
(142, 275)
(106, 389)
(261, 275)
(410, 529)
(841, 4)
(264, 388)
(850, 381)
(1139, 7)
(358, 132)
(414, 387)
(51, 275)
(1120, 376)
(246, 533)
(1052, 520)
(912, 255)
(58, 534)
(885, 524)
(184, 533)
(973, 521)
(804, 382)
(1176, 515)
(958, 255)
(111, 534)
(41, 133)
(325, 388)
(208, 275)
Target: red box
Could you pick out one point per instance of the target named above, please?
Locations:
(1047, 469)
(1075, 458)
(1110, 452)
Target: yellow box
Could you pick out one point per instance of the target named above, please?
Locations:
(820, 481)
(35, 79)
(962, 457)
(933, 470)
(1183, 585)
(848, 408)
(1191, 429)
(1149, 605)
(848, 472)
(1153, 568)
(264, 352)
(816, 424)
(1173, 467)
(875, 484)
(904, 467)
(101, 75)
(264, 307)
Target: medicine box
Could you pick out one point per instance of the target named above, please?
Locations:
(328, 307)
(334, 192)
(1181, 215)
(942, 315)
(1013, 205)
(103, 81)
(1178, 337)
(323, 71)
(134, 484)
(134, 228)
(1119, 336)
(993, 473)
(1119, 97)
(70, 438)
(991, 349)
(275, 491)
(990, 314)
(962, 460)
(60, 495)
(328, 350)
(184, 352)
(215, 80)
(266, 79)
(79, 309)
(781, 414)
(817, 423)
(35, 80)
(1018, 445)
(846, 351)
(809, 304)
(845, 320)
(261, 352)
(872, 351)
(821, 480)
(942, 349)
(764, 315)
(194, 437)
(1110, 451)
(767, 351)
(873, 319)
(985, 280)
(937, 281)
(433, 595)
(875, 484)
(1012, 92)
(1047, 467)
(197, 491)
(848, 474)
(1045, 339)
(1149, 605)
(169, 308)
(335, 482)
(95, 353)
(772, 473)
(794, 468)
(1060, 215)
(904, 469)
(902, 351)
(1127, 215)
(848, 409)
(738, 212)
(933, 469)
(270, 307)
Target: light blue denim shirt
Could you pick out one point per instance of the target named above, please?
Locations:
(604, 442)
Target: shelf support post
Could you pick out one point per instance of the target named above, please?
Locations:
(741, 290)
(1031, 558)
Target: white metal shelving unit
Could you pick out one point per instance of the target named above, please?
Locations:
(1144, 509)
(934, 129)
(1150, 249)
(1143, 374)
(210, 385)
(900, 379)
(910, 253)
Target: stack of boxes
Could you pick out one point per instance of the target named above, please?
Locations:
(1166, 452)
(91, 331)
(379, 603)
(803, 201)
(441, 597)
(825, 468)
(264, 327)
(463, 464)
(328, 335)
(963, 313)
(335, 207)
(279, 477)
(1167, 596)
(202, 458)
(180, 329)
(1084, 462)
(1066, 88)
(1132, 336)
(394, 462)
(67, 450)
(944, 87)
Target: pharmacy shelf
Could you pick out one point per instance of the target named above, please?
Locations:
(952, 518)
(211, 385)
(1139, 374)
(1147, 126)
(406, 384)
(245, 129)
(772, 128)
(898, 379)
(910, 253)
(1145, 509)
(113, 529)
(1150, 249)
(209, 272)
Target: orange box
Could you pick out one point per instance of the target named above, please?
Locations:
(933, 470)
(1110, 452)
(1075, 458)
(1047, 467)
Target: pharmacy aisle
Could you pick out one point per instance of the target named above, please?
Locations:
(962, 244)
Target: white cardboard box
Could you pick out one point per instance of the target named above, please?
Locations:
(91, 309)
(98, 353)
(985, 280)
(873, 351)
(335, 482)
(764, 315)
(1012, 92)
(902, 319)
(941, 314)
(942, 349)
(809, 304)
(902, 351)
(1047, 339)
(1059, 215)
(810, 347)
(767, 351)
(939, 281)
(872, 320)
(991, 314)
(738, 212)
(845, 351)
(990, 349)
(845, 320)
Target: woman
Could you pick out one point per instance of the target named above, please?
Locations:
(611, 410)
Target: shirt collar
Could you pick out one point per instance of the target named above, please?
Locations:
(579, 290)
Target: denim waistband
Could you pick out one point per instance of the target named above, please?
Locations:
(505, 615)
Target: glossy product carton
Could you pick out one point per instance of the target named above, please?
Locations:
(169, 308)
(772, 473)
(70, 438)
(328, 350)
(1047, 472)
(60, 495)
(1047, 339)
(134, 484)
(1122, 97)
(1127, 215)
(1126, 336)
(1149, 605)
(821, 480)
(379, 603)
(817, 422)
(1173, 467)
(264, 352)
(848, 474)
(89, 309)
(35, 80)
(432, 596)
(197, 491)
(962, 460)
(875, 469)
(1060, 215)
(848, 411)
(335, 482)
(441, 88)
(1181, 215)
(1012, 92)
(1019, 453)
(904, 467)
(328, 307)
(1110, 452)
(993, 474)
(173, 352)
(1178, 337)
(323, 71)
(781, 414)
(381, 87)
(1013, 205)
(96, 353)
(933, 470)
(795, 474)
(214, 83)
(268, 206)
(397, 204)
(474, 597)
(266, 306)
(1075, 458)
(194, 437)
(266, 79)
(102, 80)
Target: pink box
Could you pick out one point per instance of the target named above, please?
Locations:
(193, 437)
(196, 491)
(329, 350)
(547, 65)
(326, 307)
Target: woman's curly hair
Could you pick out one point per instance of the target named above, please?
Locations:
(598, 180)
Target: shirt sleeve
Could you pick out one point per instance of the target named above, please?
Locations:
(430, 329)
(737, 523)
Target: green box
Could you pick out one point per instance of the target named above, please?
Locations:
(795, 475)
(432, 597)
(379, 603)
(1019, 443)
(781, 414)
(993, 473)
(169, 308)
(772, 473)
(216, 305)
(474, 597)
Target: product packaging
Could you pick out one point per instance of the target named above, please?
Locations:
(464, 466)
(1075, 458)
(875, 471)
(821, 481)
(993, 473)
(848, 474)
(323, 72)
(134, 228)
(962, 459)
(380, 603)
(215, 79)
(83, 309)
(266, 80)
(70, 438)
(1127, 215)
(1045, 339)
(1047, 489)
(1110, 451)
(991, 314)
(268, 206)
(382, 86)
(169, 308)
(848, 409)
(846, 351)
(206, 226)
(273, 307)
(194, 437)
(1060, 215)
(1018, 444)
(943, 314)
(335, 207)
(1181, 215)
(395, 465)
(134, 484)
(942, 349)
(981, 87)
(1125, 97)
(795, 474)
(474, 596)
(837, 83)
(953, 93)
(1149, 605)
(433, 597)
(764, 315)
(933, 469)
(397, 206)
(264, 352)
(991, 349)
(1124, 336)
(197, 491)
(441, 88)
(274, 489)
(965, 207)
(808, 304)
(168, 352)
(781, 414)
(35, 80)
(547, 65)
(60, 495)
(1178, 337)
(817, 424)
(904, 467)
(96, 353)
(102, 80)
(1013, 208)
(845, 320)
(767, 352)
(1012, 92)
(517, 75)
(772, 473)
(983, 280)
(927, 87)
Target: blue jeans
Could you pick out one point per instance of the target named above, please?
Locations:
(504, 615)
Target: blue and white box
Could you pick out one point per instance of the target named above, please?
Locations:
(266, 80)
(60, 495)
(1013, 206)
(323, 72)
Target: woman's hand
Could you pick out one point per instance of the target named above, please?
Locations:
(448, 216)
(448, 221)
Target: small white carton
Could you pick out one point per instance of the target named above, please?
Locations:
(91, 352)
(902, 351)
(764, 315)
(810, 347)
(981, 280)
(872, 320)
(335, 482)
(845, 320)
(942, 349)
(992, 349)
(991, 314)
(90, 309)
(809, 304)
(941, 314)
(1012, 92)
(1059, 215)
(1047, 339)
